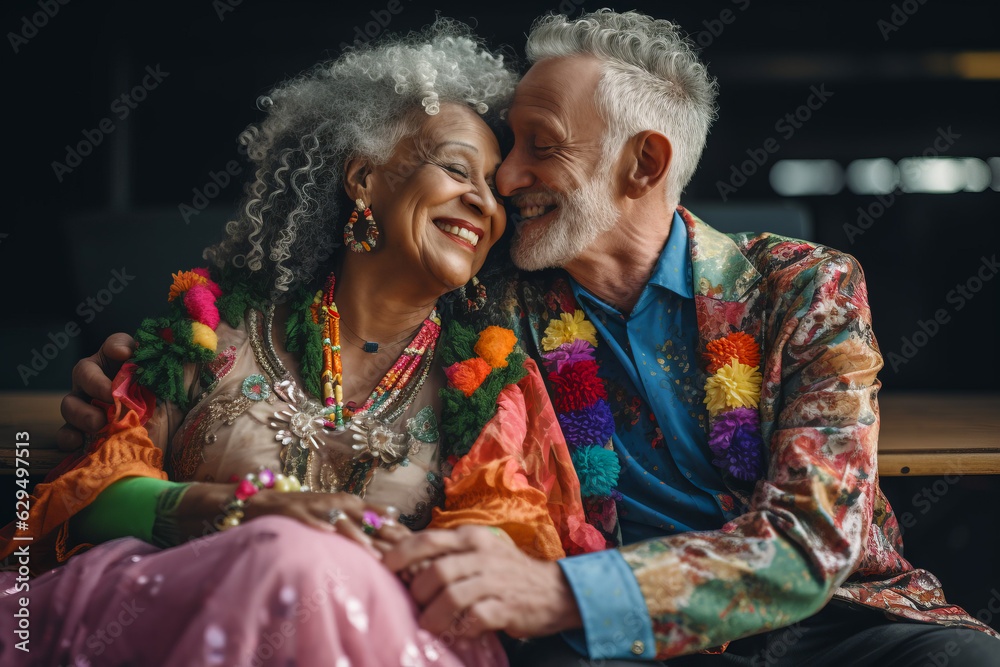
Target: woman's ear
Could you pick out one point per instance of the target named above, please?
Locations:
(650, 158)
(357, 179)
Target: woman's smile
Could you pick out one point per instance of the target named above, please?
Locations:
(461, 232)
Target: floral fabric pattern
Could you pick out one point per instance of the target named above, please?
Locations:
(815, 525)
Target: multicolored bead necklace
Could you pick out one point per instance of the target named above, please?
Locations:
(398, 387)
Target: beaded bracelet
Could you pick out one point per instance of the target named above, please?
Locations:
(249, 486)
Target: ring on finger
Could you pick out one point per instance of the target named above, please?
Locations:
(335, 515)
(370, 522)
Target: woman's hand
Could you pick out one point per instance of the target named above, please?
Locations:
(202, 507)
(342, 513)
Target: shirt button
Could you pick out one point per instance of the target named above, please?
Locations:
(638, 647)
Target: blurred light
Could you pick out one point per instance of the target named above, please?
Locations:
(977, 174)
(932, 174)
(977, 64)
(876, 176)
(995, 167)
(796, 178)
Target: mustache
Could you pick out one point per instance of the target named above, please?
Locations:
(540, 196)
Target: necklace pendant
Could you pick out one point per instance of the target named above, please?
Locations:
(370, 347)
(376, 439)
(304, 425)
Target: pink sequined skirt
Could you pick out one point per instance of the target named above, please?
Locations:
(271, 592)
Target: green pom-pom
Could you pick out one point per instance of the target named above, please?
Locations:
(463, 418)
(457, 343)
(238, 294)
(597, 468)
(161, 363)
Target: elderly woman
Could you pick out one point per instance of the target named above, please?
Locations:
(313, 377)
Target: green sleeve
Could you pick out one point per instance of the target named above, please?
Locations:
(127, 508)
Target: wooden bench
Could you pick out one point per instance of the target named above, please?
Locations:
(939, 434)
(921, 434)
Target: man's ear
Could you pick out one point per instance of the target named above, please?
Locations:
(649, 154)
(357, 179)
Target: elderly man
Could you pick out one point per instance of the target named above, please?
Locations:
(740, 372)
(719, 390)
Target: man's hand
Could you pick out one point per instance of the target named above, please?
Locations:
(472, 572)
(92, 379)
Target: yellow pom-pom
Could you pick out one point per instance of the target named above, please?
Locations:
(567, 329)
(734, 385)
(495, 344)
(202, 335)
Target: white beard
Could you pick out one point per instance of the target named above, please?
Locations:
(582, 216)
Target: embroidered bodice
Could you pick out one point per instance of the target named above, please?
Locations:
(255, 413)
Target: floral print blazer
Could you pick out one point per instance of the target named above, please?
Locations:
(815, 525)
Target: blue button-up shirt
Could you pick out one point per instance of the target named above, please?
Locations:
(668, 483)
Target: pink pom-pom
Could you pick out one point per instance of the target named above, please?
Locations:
(245, 489)
(200, 305)
(212, 287)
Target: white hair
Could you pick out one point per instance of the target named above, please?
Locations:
(360, 105)
(582, 215)
(652, 80)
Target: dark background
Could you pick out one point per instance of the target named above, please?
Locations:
(893, 90)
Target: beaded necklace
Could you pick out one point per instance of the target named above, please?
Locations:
(398, 387)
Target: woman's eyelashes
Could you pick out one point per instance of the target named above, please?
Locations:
(464, 172)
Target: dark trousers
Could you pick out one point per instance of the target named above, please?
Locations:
(838, 636)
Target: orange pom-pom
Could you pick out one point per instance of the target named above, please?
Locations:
(466, 376)
(737, 346)
(183, 281)
(495, 344)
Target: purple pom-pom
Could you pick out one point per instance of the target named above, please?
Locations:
(735, 440)
(568, 354)
(726, 425)
(744, 457)
(593, 425)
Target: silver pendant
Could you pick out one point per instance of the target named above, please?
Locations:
(303, 425)
(376, 439)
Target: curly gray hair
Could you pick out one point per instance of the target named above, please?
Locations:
(360, 105)
(652, 80)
